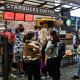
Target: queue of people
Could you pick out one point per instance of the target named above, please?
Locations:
(31, 48)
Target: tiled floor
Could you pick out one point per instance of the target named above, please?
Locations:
(66, 73)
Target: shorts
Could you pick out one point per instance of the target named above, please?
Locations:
(19, 57)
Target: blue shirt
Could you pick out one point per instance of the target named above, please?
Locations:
(37, 34)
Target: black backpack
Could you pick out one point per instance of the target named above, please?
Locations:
(77, 41)
(61, 49)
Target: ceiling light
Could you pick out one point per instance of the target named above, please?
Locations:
(27, 2)
(16, 0)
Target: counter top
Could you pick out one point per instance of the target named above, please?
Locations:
(66, 38)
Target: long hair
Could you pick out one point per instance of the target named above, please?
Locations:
(77, 33)
(43, 36)
(28, 36)
(55, 37)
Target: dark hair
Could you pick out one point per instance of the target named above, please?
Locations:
(55, 37)
(28, 36)
(40, 27)
(36, 27)
(77, 35)
(21, 28)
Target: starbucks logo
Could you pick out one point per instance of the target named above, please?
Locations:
(68, 22)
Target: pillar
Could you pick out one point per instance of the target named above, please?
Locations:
(76, 28)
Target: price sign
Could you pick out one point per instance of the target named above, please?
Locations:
(28, 17)
(9, 15)
(19, 16)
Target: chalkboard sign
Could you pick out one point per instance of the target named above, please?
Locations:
(19, 16)
(9, 15)
(28, 17)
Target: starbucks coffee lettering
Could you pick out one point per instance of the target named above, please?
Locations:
(30, 9)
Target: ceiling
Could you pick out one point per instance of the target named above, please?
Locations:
(73, 1)
(61, 6)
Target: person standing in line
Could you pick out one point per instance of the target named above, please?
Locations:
(43, 40)
(53, 63)
(49, 34)
(72, 35)
(31, 55)
(18, 49)
(40, 27)
(77, 36)
(36, 28)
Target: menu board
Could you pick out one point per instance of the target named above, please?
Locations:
(62, 32)
(28, 17)
(9, 15)
(19, 16)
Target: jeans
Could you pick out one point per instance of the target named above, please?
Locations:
(33, 69)
(54, 67)
(78, 71)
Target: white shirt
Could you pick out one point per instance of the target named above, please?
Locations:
(74, 39)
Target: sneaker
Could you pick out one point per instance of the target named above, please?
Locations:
(47, 76)
(22, 74)
(75, 77)
(43, 77)
(19, 72)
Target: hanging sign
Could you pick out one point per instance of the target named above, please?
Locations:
(68, 22)
(9, 15)
(27, 9)
(28, 17)
(19, 16)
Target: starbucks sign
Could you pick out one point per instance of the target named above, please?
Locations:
(68, 22)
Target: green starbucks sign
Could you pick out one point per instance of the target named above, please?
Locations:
(68, 22)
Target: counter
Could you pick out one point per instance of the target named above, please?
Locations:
(67, 41)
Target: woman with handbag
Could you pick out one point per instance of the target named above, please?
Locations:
(43, 40)
(31, 55)
(53, 60)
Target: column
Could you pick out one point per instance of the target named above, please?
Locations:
(76, 28)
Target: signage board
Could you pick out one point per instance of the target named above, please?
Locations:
(28, 17)
(9, 15)
(68, 22)
(14, 7)
(19, 16)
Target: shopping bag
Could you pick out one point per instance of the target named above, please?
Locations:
(41, 64)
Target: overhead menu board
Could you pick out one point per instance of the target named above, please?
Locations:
(28, 17)
(9, 15)
(19, 16)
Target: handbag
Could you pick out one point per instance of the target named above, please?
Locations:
(41, 64)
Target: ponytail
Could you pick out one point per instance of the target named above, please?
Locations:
(24, 38)
(55, 37)
(55, 40)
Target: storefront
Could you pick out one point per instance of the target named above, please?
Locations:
(17, 12)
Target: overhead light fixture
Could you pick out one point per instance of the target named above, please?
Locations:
(22, 2)
(42, 4)
(55, 7)
(28, 2)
